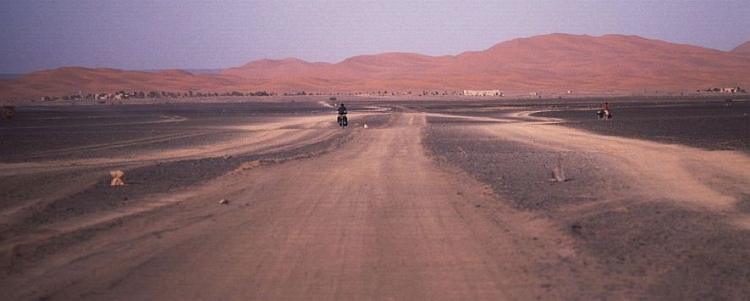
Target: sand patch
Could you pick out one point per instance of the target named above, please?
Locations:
(684, 175)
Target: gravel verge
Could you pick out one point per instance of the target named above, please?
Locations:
(649, 249)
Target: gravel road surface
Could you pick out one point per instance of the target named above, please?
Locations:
(429, 201)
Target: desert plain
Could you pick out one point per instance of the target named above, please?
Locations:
(415, 200)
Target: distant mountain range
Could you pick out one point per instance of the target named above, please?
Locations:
(554, 63)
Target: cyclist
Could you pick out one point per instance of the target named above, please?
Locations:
(342, 115)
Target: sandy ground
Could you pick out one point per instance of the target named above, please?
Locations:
(429, 202)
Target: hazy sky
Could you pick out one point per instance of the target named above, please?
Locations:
(205, 34)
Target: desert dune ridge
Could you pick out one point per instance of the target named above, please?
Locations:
(554, 64)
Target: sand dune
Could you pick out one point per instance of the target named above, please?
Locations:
(552, 63)
(743, 49)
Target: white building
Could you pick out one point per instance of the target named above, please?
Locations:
(483, 93)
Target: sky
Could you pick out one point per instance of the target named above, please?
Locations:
(40, 35)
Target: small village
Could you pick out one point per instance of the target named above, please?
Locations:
(122, 95)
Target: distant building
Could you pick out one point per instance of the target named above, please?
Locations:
(483, 93)
(731, 90)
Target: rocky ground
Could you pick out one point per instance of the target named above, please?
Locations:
(645, 220)
(649, 247)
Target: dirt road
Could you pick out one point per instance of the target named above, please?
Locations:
(373, 220)
(377, 219)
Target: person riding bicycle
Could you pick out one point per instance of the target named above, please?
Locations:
(342, 120)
